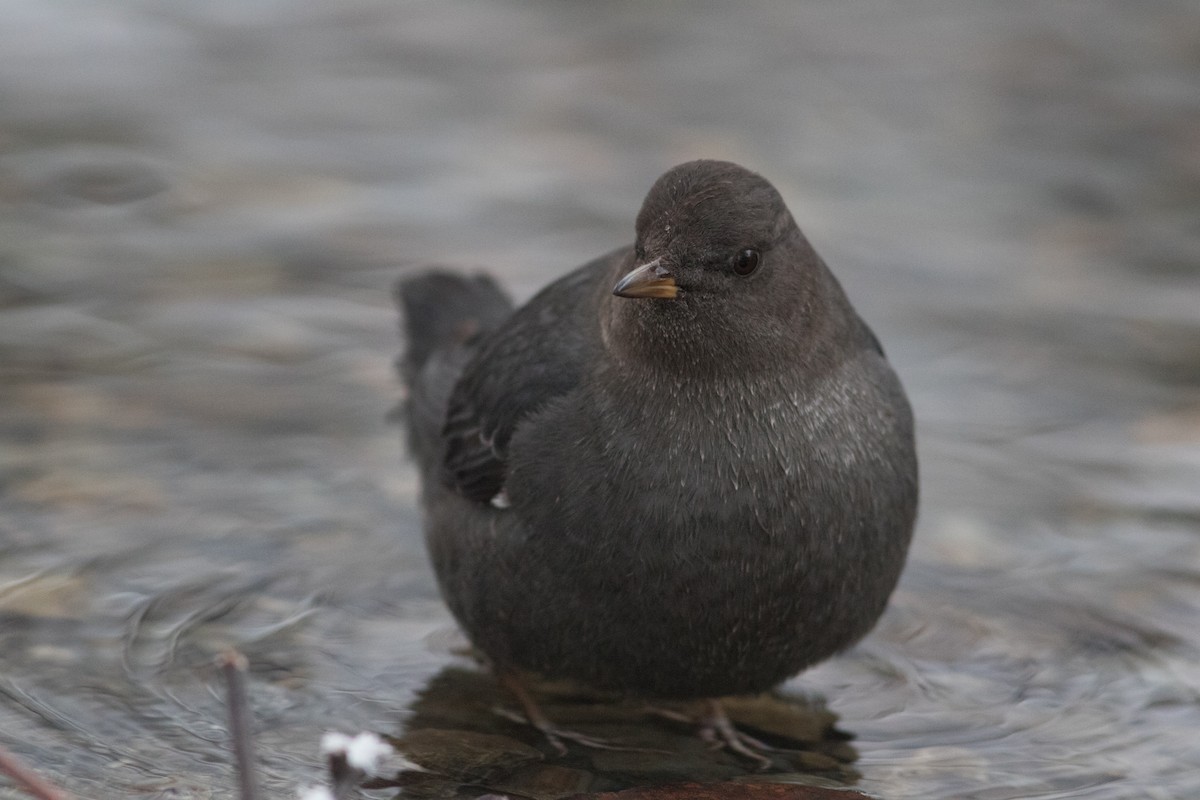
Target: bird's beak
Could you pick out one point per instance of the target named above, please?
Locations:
(649, 280)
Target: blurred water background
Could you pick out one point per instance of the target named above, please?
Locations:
(202, 208)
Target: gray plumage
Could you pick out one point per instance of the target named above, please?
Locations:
(686, 496)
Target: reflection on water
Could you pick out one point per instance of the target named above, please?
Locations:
(202, 209)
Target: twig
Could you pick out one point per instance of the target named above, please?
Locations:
(27, 779)
(352, 758)
(233, 664)
(342, 777)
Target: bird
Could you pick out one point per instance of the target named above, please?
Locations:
(684, 470)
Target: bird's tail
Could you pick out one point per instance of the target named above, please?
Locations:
(442, 310)
(443, 314)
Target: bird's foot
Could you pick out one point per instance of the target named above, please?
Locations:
(721, 734)
(554, 735)
(718, 730)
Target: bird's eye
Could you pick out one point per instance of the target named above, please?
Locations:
(639, 252)
(746, 262)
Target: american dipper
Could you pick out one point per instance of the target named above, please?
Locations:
(684, 470)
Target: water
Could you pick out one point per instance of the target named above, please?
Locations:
(202, 208)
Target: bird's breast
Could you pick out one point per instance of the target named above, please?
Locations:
(665, 462)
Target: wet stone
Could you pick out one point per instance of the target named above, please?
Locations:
(456, 732)
(545, 782)
(815, 762)
(466, 755)
(726, 791)
(781, 718)
(842, 751)
(531, 782)
(428, 786)
(798, 778)
(657, 767)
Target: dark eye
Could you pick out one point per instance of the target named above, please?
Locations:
(639, 252)
(746, 262)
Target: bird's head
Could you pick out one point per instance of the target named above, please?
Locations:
(706, 227)
(718, 263)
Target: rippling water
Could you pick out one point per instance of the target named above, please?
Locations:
(202, 208)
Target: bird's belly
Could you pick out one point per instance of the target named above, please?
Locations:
(672, 625)
(688, 572)
(729, 599)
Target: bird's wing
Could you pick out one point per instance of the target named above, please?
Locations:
(535, 357)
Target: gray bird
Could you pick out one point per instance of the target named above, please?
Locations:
(684, 470)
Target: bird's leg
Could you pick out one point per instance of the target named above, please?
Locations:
(535, 717)
(719, 731)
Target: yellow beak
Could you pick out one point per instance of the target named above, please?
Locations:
(649, 280)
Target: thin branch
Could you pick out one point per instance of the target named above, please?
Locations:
(233, 664)
(25, 778)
